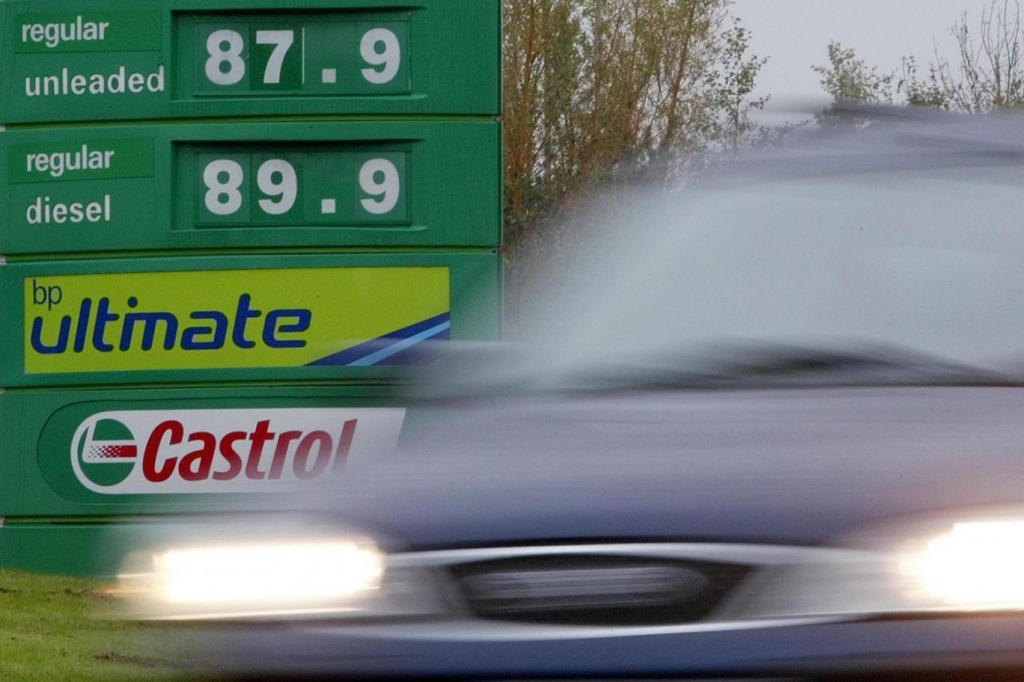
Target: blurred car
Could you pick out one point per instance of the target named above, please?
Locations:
(771, 427)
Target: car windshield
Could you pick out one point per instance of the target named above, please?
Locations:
(893, 255)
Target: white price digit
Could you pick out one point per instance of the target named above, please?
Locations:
(223, 197)
(387, 188)
(286, 187)
(219, 56)
(282, 41)
(390, 57)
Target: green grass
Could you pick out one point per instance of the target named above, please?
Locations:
(49, 631)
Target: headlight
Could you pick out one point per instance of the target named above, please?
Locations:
(270, 574)
(975, 565)
(280, 575)
(943, 566)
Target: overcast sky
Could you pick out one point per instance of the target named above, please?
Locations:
(794, 35)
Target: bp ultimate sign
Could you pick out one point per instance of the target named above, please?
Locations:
(231, 318)
(93, 60)
(336, 317)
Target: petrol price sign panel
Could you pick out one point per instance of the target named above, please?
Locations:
(238, 317)
(182, 58)
(82, 189)
(231, 231)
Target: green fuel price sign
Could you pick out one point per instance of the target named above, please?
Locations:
(177, 58)
(250, 185)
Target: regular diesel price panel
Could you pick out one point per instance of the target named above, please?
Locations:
(250, 185)
(101, 60)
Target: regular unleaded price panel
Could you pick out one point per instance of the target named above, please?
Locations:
(182, 58)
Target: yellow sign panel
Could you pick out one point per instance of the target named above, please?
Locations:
(232, 319)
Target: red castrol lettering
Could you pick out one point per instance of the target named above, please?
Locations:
(256, 454)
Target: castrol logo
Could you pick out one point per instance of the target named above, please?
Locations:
(230, 450)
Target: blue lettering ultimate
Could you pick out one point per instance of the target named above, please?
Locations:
(104, 329)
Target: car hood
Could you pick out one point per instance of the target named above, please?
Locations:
(797, 465)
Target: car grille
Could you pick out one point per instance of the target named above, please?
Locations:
(600, 590)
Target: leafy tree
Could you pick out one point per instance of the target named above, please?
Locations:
(989, 73)
(986, 75)
(605, 93)
(731, 127)
(850, 80)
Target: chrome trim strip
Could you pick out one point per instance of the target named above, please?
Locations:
(495, 631)
(746, 554)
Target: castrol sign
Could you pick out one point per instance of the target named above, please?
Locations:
(227, 451)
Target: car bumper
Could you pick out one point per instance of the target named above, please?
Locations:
(956, 645)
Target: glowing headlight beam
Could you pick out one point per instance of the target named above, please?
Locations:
(976, 565)
(261, 573)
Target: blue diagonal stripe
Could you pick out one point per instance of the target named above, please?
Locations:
(399, 346)
(383, 349)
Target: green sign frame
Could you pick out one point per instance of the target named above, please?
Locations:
(175, 59)
(230, 232)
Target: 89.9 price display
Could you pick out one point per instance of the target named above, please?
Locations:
(301, 187)
(303, 55)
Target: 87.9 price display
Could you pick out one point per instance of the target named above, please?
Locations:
(292, 187)
(302, 55)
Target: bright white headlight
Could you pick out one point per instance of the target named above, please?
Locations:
(280, 571)
(271, 574)
(924, 566)
(976, 565)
